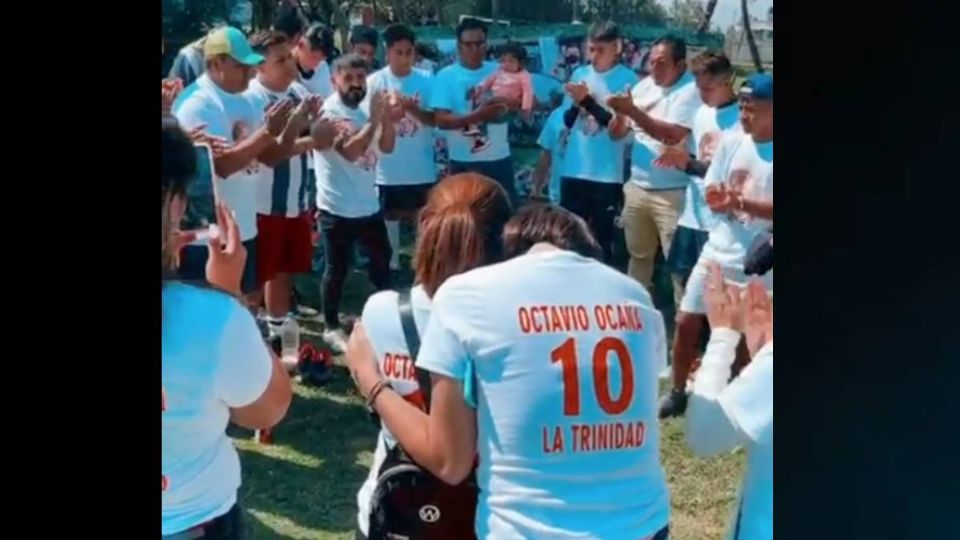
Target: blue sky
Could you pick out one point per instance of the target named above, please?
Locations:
(728, 11)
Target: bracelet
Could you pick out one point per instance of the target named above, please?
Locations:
(375, 391)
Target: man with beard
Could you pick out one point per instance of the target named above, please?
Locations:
(346, 187)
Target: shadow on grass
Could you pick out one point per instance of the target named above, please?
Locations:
(307, 480)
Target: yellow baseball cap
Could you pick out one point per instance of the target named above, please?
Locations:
(233, 43)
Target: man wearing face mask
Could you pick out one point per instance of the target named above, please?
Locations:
(346, 187)
(662, 108)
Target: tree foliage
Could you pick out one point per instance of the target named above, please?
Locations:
(688, 13)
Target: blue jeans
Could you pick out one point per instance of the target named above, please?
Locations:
(500, 170)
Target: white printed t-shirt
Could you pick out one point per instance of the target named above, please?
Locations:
(213, 359)
(676, 104)
(709, 125)
(450, 87)
(381, 320)
(412, 161)
(320, 82)
(228, 116)
(347, 189)
(746, 167)
(591, 153)
(561, 454)
(282, 189)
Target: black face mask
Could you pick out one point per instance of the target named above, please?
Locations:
(572, 59)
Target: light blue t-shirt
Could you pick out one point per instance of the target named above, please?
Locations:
(566, 395)
(709, 125)
(450, 87)
(412, 160)
(554, 138)
(213, 359)
(591, 153)
(676, 105)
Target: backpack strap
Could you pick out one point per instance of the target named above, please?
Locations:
(412, 337)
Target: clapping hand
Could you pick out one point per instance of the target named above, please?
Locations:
(673, 156)
(577, 91)
(723, 301)
(170, 89)
(719, 198)
(620, 103)
(757, 317)
(277, 116)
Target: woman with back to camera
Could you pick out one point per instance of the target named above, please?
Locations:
(546, 365)
(215, 367)
(459, 229)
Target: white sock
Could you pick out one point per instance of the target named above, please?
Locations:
(274, 324)
(393, 234)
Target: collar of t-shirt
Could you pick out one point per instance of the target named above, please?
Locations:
(306, 74)
(684, 79)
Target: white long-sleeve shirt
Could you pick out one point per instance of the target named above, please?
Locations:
(722, 416)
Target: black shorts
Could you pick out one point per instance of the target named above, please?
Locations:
(410, 198)
(685, 250)
(193, 265)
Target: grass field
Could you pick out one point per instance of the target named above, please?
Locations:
(304, 485)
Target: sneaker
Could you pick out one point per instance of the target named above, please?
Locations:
(479, 145)
(673, 404)
(337, 339)
(316, 366)
(306, 313)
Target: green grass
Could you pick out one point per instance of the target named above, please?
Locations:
(304, 485)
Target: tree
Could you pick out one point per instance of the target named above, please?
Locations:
(707, 16)
(751, 42)
(687, 13)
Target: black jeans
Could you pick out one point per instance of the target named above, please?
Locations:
(500, 170)
(339, 235)
(229, 526)
(598, 204)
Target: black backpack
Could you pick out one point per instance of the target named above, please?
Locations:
(409, 503)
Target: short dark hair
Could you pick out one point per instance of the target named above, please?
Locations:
(289, 23)
(262, 41)
(712, 63)
(604, 31)
(678, 47)
(320, 38)
(426, 50)
(541, 222)
(515, 50)
(471, 23)
(364, 34)
(398, 32)
(350, 61)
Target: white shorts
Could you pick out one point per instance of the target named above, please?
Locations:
(693, 295)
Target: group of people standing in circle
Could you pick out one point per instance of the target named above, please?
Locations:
(558, 420)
